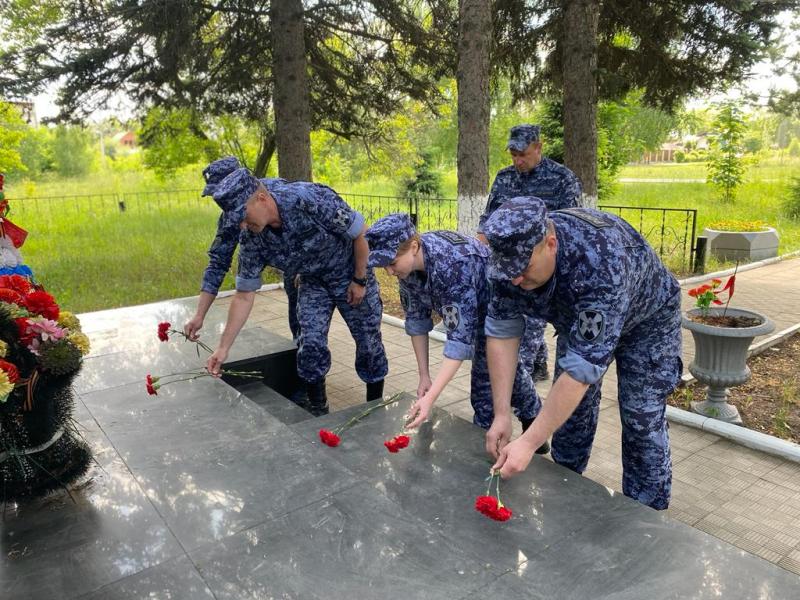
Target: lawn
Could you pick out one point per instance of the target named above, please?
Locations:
(92, 254)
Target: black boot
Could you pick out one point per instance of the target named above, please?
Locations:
(544, 448)
(317, 398)
(375, 390)
(540, 372)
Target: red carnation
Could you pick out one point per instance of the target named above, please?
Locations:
(329, 438)
(502, 514)
(11, 371)
(693, 292)
(9, 295)
(397, 443)
(16, 283)
(41, 303)
(25, 335)
(163, 329)
(486, 505)
(150, 384)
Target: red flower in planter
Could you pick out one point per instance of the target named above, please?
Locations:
(706, 294)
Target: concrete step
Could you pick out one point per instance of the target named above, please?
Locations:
(274, 403)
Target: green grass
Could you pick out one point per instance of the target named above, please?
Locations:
(768, 168)
(91, 256)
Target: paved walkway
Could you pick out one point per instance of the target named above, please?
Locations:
(747, 498)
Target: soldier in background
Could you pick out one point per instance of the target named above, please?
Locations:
(532, 175)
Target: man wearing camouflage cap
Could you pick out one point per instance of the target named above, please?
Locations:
(609, 297)
(532, 175)
(445, 271)
(305, 228)
(220, 254)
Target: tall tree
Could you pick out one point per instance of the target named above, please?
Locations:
(472, 76)
(364, 58)
(580, 93)
(669, 49)
(292, 112)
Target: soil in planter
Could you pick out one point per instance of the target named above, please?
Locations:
(769, 401)
(726, 321)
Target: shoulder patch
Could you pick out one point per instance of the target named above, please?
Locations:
(451, 316)
(593, 219)
(342, 218)
(452, 237)
(591, 325)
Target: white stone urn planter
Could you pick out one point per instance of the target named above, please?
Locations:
(743, 245)
(720, 359)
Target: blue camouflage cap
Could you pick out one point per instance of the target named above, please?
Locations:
(232, 194)
(522, 136)
(385, 237)
(512, 232)
(217, 171)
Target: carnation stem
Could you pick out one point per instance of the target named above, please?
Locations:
(361, 415)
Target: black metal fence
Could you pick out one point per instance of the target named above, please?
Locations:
(671, 231)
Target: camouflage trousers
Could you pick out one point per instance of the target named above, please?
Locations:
(649, 367)
(532, 347)
(315, 303)
(524, 400)
(291, 296)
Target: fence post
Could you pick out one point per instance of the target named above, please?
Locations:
(413, 209)
(121, 202)
(700, 254)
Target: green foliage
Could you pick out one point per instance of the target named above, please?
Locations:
(12, 130)
(36, 151)
(679, 156)
(725, 167)
(426, 182)
(72, 150)
(791, 205)
(794, 148)
(173, 138)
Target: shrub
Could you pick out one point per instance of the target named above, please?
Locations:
(679, 156)
(791, 205)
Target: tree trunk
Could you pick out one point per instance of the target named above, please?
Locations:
(291, 102)
(579, 42)
(472, 77)
(265, 152)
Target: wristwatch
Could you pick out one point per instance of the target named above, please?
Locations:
(360, 281)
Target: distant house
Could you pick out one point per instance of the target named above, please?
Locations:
(125, 138)
(28, 111)
(666, 153)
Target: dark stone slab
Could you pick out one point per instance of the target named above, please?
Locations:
(60, 548)
(274, 403)
(183, 417)
(176, 579)
(643, 555)
(354, 544)
(447, 465)
(144, 354)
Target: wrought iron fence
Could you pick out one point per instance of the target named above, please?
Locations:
(671, 231)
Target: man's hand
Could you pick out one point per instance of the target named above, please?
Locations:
(514, 458)
(192, 326)
(216, 360)
(499, 435)
(424, 385)
(420, 411)
(355, 293)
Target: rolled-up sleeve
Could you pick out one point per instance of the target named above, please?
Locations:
(251, 264)
(581, 369)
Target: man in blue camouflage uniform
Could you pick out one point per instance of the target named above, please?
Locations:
(305, 228)
(609, 297)
(444, 271)
(558, 187)
(220, 254)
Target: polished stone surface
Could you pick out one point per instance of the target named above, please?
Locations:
(205, 491)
